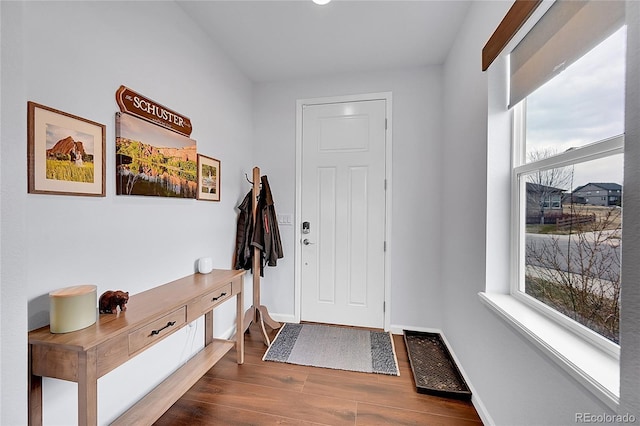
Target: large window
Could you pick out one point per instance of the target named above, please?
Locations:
(568, 190)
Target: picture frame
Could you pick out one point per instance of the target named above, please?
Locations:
(208, 178)
(65, 153)
(152, 160)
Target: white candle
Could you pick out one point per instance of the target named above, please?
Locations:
(205, 265)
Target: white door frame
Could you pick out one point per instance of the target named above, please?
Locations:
(300, 103)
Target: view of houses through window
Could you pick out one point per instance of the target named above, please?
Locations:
(572, 191)
(572, 247)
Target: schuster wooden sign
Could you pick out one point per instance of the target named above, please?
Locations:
(140, 106)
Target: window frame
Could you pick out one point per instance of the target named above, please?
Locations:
(593, 151)
(608, 378)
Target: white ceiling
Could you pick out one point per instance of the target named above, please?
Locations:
(277, 40)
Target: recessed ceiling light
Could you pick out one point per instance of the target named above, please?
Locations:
(321, 2)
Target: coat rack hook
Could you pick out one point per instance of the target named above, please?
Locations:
(247, 178)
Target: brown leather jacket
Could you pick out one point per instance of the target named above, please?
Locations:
(266, 235)
(244, 232)
(261, 233)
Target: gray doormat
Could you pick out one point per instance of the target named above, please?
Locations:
(341, 348)
(434, 370)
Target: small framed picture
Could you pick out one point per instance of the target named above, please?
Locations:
(65, 153)
(208, 178)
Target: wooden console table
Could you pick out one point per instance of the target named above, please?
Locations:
(85, 355)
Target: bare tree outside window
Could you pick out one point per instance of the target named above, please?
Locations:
(545, 188)
(573, 264)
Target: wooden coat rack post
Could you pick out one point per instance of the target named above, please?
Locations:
(257, 312)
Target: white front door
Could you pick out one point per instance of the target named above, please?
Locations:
(343, 203)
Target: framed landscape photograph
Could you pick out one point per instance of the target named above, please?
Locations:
(208, 178)
(152, 160)
(65, 153)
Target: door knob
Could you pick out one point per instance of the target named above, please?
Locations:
(306, 242)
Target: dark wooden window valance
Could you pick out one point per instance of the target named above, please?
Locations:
(566, 32)
(509, 26)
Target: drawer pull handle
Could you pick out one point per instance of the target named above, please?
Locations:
(216, 298)
(169, 324)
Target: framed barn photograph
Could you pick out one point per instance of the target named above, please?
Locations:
(208, 178)
(65, 153)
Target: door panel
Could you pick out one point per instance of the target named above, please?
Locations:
(357, 243)
(326, 235)
(343, 198)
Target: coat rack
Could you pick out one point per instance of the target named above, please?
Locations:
(258, 313)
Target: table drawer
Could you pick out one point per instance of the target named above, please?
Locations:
(157, 330)
(211, 299)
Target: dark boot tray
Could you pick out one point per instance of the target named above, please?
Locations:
(434, 370)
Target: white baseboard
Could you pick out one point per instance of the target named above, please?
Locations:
(283, 317)
(399, 329)
(229, 333)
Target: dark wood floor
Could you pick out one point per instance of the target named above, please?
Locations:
(271, 393)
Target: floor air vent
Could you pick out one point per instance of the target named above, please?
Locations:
(434, 370)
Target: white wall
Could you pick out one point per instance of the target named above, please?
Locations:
(73, 56)
(514, 383)
(416, 184)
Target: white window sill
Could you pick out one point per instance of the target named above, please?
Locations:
(595, 369)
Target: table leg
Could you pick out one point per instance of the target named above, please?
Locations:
(208, 327)
(87, 388)
(35, 395)
(240, 328)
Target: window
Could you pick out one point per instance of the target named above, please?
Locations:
(568, 144)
